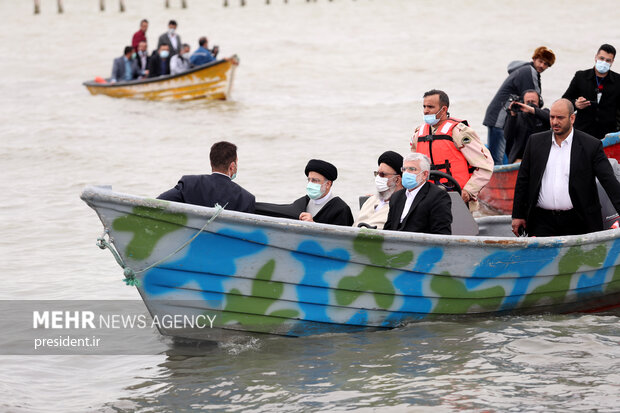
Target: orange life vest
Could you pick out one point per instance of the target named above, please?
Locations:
(442, 151)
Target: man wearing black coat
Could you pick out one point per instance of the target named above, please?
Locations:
(596, 95)
(217, 188)
(159, 62)
(421, 206)
(320, 204)
(556, 193)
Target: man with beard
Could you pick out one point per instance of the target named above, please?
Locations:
(320, 204)
(374, 212)
(556, 192)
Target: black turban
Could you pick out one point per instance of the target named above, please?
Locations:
(393, 160)
(326, 169)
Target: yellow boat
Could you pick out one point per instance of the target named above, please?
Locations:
(210, 81)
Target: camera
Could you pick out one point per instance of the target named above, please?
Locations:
(511, 99)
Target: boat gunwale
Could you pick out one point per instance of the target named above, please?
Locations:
(105, 194)
(92, 83)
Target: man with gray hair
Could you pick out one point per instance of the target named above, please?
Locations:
(421, 206)
(179, 63)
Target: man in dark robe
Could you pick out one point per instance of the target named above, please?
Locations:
(320, 204)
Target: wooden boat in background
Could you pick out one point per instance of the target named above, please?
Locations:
(210, 81)
(260, 274)
(498, 194)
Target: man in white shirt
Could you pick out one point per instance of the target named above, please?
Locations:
(421, 206)
(171, 38)
(556, 191)
(374, 212)
(179, 63)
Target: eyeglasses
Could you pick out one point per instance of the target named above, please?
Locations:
(315, 181)
(382, 174)
(409, 169)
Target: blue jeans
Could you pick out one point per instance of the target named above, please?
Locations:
(496, 144)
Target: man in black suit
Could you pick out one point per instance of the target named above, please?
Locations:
(595, 93)
(159, 62)
(217, 188)
(142, 59)
(421, 206)
(556, 193)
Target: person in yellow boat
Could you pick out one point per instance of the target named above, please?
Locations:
(159, 64)
(124, 68)
(374, 212)
(179, 63)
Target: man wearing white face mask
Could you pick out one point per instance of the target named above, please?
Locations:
(171, 38)
(320, 204)
(179, 63)
(453, 147)
(374, 212)
(421, 206)
(159, 62)
(595, 93)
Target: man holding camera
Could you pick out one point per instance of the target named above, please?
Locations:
(524, 119)
(596, 95)
(522, 76)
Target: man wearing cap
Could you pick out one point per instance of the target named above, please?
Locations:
(217, 188)
(521, 77)
(320, 204)
(421, 206)
(374, 212)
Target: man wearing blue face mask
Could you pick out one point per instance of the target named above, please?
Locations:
(596, 95)
(421, 206)
(453, 147)
(320, 204)
(159, 63)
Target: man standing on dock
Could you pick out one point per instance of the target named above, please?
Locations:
(453, 147)
(595, 93)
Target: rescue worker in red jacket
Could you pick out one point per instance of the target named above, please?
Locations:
(453, 147)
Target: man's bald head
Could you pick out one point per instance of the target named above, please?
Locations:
(566, 104)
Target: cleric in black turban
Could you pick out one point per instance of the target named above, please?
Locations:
(326, 169)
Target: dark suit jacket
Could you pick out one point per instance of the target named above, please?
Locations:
(164, 39)
(335, 211)
(208, 190)
(587, 161)
(600, 118)
(141, 68)
(430, 212)
(155, 65)
(118, 69)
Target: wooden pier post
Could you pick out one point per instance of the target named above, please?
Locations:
(37, 6)
(183, 4)
(242, 3)
(225, 3)
(101, 5)
(60, 8)
(122, 5)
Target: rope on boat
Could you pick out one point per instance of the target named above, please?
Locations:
(130, 273)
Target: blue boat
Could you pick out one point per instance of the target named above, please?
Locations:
(263, 275)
